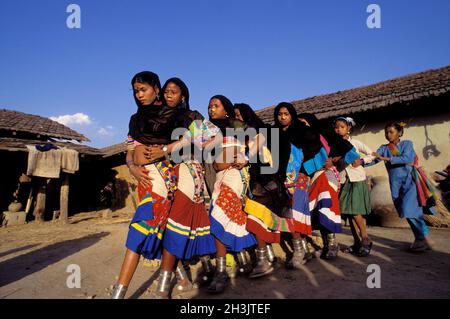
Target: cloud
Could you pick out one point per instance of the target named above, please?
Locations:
(99, 133)
(106, 131)
(77, 118)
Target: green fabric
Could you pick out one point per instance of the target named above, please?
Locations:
(354, 198)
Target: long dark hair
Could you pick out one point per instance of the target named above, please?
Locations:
(249, 116)
(227, 122)
(184, 91)
(227, 105)
(338, 145)
(313, 121)
(151, 124)
(291, 110)
(147, 77)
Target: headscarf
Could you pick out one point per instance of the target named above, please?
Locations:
(313, 121)
(184, 91)
(185, 115)
(151, 124)
(299, 134)
(291, 110)
(230, 121)
(350, 121)
(338, 146)
(249, 116)
(285, 137)
(252, 120)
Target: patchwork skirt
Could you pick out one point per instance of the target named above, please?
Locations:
(266, 219)
(188, 231)
(324, 201)
(148, 224)
(227, 216)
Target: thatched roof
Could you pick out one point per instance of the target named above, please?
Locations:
(114, 149)
(18, 122)
(18, 144)
(384, 94)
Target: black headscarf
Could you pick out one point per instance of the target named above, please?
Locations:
(338, 146)
(286, 136)
(151, 124)
(313, 121)
(298, 133)
(249, 116)
(184, 91)
(230, 121)
(185, 116)
(227, 105)
(291, 110)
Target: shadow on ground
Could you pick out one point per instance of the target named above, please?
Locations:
(24, 265)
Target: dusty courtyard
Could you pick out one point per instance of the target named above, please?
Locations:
(34, 260)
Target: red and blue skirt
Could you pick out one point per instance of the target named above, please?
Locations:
(149, 222)
(188, 232)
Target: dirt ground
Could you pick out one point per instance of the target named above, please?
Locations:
(34, 260)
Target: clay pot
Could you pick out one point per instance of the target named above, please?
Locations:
(382, 206)
(15, 207)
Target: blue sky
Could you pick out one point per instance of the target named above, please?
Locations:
(253, 51)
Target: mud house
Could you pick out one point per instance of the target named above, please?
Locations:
(421, 100)
(50, 187)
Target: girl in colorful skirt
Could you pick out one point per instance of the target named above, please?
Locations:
(259, 197)
(301, 154)
(401, 163)
(325, 182)
(152, 124)
(354, 197)
(228, 219)
(187, 231)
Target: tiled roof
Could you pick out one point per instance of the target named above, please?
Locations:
(401, 90)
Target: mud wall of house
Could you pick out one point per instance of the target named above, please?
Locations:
(126, 192)
(430, 134)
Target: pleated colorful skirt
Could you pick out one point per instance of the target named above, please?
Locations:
(324, 201)
(188, 231)
(267, 220)
(227, 216)
(148, 224)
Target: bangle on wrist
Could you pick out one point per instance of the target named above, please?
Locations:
(130, 164)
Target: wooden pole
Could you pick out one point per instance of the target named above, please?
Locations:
(39, 209)
(30, 199)
(64, 199)
(133, 198)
